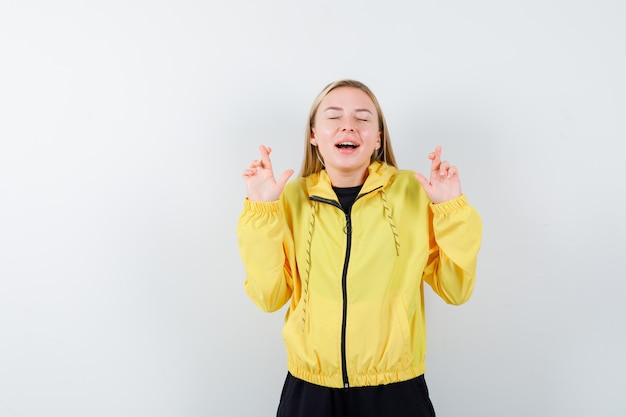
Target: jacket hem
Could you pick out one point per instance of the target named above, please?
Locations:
(357, 380)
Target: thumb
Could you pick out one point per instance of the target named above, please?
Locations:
(284, 177)
(422, 180)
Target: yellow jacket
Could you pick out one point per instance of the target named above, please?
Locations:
(355, 282)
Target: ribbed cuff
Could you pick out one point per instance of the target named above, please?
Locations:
(261, 206)
(449, 206)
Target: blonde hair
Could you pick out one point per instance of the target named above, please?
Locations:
(311, 163)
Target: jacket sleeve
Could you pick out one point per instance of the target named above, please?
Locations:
(455, 237)
(263, 238)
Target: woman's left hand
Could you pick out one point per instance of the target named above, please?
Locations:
(444, 183)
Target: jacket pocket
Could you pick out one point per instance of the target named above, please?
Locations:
(311, 335)
(399, 343)
(383, 339)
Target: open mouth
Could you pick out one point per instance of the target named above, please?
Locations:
(347, 145)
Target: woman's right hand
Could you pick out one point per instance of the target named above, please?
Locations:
(259, 178)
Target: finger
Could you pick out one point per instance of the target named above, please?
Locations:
(422, 180)
(436, 158)
(265, 157)
(452, 172)
(443, 168)
(284, 177)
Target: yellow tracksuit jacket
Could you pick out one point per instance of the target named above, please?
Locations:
(354, 282)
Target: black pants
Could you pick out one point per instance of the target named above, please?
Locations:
(401, 399)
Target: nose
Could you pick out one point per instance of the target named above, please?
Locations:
(347, 127)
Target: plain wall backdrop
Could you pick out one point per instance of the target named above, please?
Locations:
(125, 127)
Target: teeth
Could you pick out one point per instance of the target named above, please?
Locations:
(346, 144)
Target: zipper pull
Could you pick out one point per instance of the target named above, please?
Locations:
(347, 229)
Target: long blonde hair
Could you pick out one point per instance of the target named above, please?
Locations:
(312, 163)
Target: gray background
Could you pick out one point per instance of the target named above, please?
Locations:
(125, 126)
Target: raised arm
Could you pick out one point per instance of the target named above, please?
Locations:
(456, 232)
(263, 236)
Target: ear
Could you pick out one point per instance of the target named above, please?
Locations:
(378, 141)
(313, 140)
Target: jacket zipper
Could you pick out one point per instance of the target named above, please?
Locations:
(344, 279)
(344, 286)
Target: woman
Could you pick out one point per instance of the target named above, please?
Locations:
(349, 245)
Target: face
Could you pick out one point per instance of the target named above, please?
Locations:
(346, 131)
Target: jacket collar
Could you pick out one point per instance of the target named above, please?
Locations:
(379, 174)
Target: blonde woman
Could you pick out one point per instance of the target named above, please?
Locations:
(349, 245)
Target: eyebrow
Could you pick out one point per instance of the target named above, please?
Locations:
(341, 109)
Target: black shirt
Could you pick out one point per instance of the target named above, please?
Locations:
(347, 196)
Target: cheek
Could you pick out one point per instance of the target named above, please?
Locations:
(325, 130)
(371, 134)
